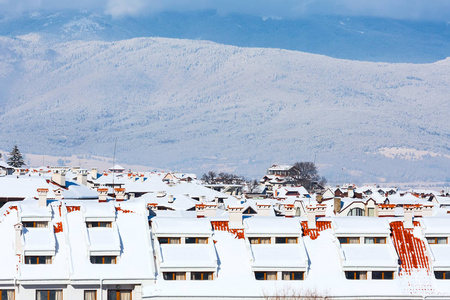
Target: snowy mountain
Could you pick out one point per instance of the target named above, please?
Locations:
(196, 105)
(355, 38)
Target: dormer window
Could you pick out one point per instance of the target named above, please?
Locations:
(35, 224)
(349, 240)
(196, 240)
(98, 224)
(259, 240)
(437, 240)
(38, 260)
(286, 240)
(103, 260)
(374, 240)
(169, 240)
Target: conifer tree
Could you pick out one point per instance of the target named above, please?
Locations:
(15, 158)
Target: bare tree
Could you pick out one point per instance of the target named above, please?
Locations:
(306, 174)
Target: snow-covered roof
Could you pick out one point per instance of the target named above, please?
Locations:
(436, 226)
(366, 226)
(369, 256)
(272, 226)
(191, 256)
(279, 256)
(181, 226)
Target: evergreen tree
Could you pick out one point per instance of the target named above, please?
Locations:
(15, 158)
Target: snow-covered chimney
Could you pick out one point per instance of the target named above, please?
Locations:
(120, 194)
(235, 216)
(427, 210)
(82, 177)
(386, 210)
(289, 210)
(263, 209)
(350, 192)
(210, 209)
(42, 197)
(202, 199)
(170, 198)
(160, 194)
(102, 194)
(58, 194)
(311, 214)
(200, 209)
(94, 173)
(142, 178)
(408, 211)
(18, 238)
(59, 177)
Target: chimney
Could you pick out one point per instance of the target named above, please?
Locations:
(386, 210)
(350, 192)
(94, 173)
(102, 194)
(59, 177)
(311, 214)
(82, 177)
(142, 178)
(42, 197)
(289, 210)
(131, 196)
(200, 209)
(58, 194)
(202, 199)
(210, 210)
(120, 194)
(263, 209)
(319, 198)
(153, 206)
(337, 205)
(160, 194)
(235, 217)
(427, 210)
(408, 211)
(170, 198)
(18, 240)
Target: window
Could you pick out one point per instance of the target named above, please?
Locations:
(443, 275)
(262, 240)
(382, 275)
(90, 295)
(201, 275)
(119, 295)
(38, 260)
(349, 240)
(356, 212)
(7, 294)
(371, 212)
(169, 240)
(98, 224)
(49, 295)
(103, 260)
(286, 240)
(437, 240)
(266, 275)
(174, 275)
(356, 275)
(292, 275)
(375, 240)
(35, 224)
(196, 240)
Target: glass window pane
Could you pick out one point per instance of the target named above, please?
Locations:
(292, 240)
(265, 240)
(369, 240)
(280, 240)
(439, 275)
(442, 240)
(377, 275)
(259, 275)
(354, 240)
(163, 240)
(271, 275)
(174, 241)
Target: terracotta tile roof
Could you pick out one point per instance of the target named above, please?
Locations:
(314, 233)
(410, 249)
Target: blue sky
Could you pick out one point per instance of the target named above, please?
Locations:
(437, 10)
